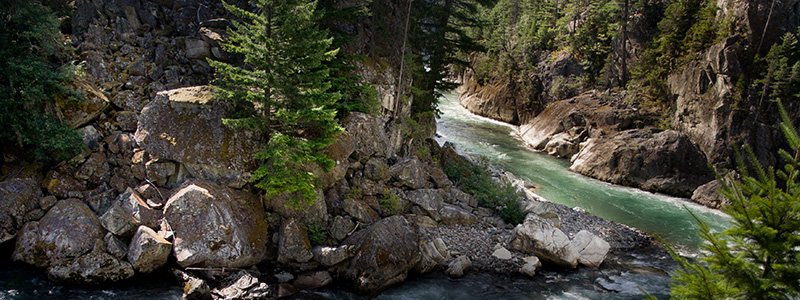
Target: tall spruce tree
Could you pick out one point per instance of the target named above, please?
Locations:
(282, 91)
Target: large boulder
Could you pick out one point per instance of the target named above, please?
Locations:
(454, 215)
(69, 230)
(17, 198)
(185, 125)
(430, 200)
(385, 252)
(148, 250)
(539, 237)
(708, 194)
(127, 212)
(409, 172)
(293, 243)
(216, 226)
(658, 161)
(329, 256)
(94, 268)
(370, 138)
(592, 249)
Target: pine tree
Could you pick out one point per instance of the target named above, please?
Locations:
(758, 257)
(34, 73)
(282, 91)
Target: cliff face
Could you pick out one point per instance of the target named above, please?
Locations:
(707, 106)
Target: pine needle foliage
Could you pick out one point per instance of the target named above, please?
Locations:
(34, 73)
(759, 256)
(282, 90)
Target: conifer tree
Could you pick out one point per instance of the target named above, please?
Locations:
(758, 257)
(282, 91)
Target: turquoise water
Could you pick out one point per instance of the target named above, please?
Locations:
(498, 143)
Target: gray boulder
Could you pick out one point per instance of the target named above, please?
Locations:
(454, 215)
(409, 172)
(148, 251)
(539, 237)
(316, 212)
(127, 212)
(17, 198)
(330, 256)
(457, 266)
(185, 125)
(293, 243)
(386, 251)
(658, 161)
(592, 249)
(360, 210)
(93, 268)
(243, 285)
(708, 194)
(430, 200)
(69, 230)
(313, 280)
(434, 253)
(370, 138)
(216, 226)
(531, 264)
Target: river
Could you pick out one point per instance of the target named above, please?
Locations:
(620, 278)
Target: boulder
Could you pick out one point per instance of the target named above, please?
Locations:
(560, 145)
(69, 230)
(540, 237)
(78, 113)
(216, 226)
(127, 212)
(17, 198)
(148, 250)
(330, 256)
(454, 215)
(457, 266)
(114, 246)
(409, 172)
(531, 264)
(658, 161)
(243, 285)
(341, 227)
(430, 200)
(386, 251)
(293, 243)
(313, 280)
(370, 138)
(708, 194)
(502, 253)
(339, 152)
(376, 170)
(60, 184)
(197, 49)
(193, 288)
(360, 210)
(185, 125)
(592, 249)
(434, 253)
(94, 268)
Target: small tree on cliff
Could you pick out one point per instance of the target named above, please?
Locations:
(759, 256)
(282, 91)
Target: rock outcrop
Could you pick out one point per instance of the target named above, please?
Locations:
(216, 226)
(659, 161)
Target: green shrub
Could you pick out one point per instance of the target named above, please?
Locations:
(476, 180)
(316, 234)
(391, 203)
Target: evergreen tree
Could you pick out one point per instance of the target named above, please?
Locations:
(759, 256)
(282, 91)
(34, 73)
(440, 37)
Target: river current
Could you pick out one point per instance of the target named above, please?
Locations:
(621, 277)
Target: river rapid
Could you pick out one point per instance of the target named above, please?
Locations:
(622, 276)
